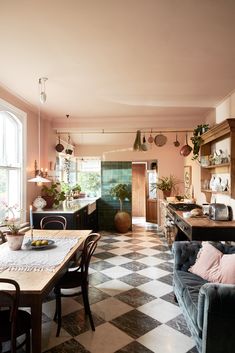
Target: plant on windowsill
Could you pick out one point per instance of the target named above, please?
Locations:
(122, 219)
(13, 220)
(197, 139)
(53, 195)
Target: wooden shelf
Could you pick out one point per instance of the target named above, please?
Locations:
(215, 192)
(212, 139)
(213, 166)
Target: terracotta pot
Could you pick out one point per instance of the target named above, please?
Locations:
(15, 240)
(122, 221)
(49, 200)
(166, 193)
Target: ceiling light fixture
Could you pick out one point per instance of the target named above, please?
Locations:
(40, 176)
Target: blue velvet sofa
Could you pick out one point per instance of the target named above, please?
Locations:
(209, 308)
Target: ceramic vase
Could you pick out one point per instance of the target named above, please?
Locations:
(122, 221)
(15, 241)
(39, 203)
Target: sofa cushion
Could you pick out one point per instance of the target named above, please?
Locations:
(184, 279)
(214, 266)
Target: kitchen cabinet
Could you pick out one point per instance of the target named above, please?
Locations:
(167, 225)
(81, 216)
(224, 170)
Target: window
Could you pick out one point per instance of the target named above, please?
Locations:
(89, 176)
(11, 147)
(85, 171)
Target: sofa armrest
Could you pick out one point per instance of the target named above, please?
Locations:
(216, 317)
(185, 254)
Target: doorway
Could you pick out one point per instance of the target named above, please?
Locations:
(144, 200)
(139, 189)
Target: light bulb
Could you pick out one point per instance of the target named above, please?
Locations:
(43, 97)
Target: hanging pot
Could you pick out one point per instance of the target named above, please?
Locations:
(160, 140)
(186, 149)
(144, 146)
(150, 139)
(59, 147)
(176, 142)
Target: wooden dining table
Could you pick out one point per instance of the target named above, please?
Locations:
(36, 285)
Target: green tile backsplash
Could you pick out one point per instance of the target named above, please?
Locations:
(112, 173)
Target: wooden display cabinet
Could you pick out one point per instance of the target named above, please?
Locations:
(218, 133)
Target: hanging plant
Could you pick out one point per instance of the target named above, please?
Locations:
(197, 139)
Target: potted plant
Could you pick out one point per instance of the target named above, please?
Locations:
(76, 189)
(197, 139)
(52, 194)
(13, 219)
(167, 184)
(122, 219)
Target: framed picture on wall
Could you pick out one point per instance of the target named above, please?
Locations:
(187, 176)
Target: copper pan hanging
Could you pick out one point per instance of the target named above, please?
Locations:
(160, 140)
(59, 147)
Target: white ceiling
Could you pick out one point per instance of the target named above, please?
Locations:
(119, 65)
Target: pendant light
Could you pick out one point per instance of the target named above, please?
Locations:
(39, 175)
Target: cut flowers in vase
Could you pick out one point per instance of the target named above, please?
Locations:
(11, 217)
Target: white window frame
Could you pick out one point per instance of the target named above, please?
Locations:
(21, 117)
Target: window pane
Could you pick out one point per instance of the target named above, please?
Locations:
(3, 185)
(14, 187)
(10, 159)
(11, 142)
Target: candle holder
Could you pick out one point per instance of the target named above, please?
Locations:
(31, 228)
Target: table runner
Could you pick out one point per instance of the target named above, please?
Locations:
(28, 259)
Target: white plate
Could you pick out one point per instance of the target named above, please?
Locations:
(38, 247)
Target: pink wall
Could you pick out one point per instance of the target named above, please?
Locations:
(47, 151)
(168, 156)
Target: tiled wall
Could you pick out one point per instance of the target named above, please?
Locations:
(112, 173)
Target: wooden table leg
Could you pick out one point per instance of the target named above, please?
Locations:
(36, 313)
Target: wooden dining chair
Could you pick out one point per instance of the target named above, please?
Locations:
(13, 321)
(53, 222)
(77, 278)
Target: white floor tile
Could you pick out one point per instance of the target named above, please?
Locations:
(105, 339)
(118, 260)
(153, 272)
(120, 251)
(151, 261)
(116, 272)
(160, 310)
(69, 305)
(164, 339)
(110, 308)
(149, 251)
(114, 287)
(49, 338)
(156, 288)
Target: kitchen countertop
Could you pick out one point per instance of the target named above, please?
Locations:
(70, 206)
(205, 221)
(203, 228)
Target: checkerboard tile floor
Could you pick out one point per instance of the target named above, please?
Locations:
(131, 300)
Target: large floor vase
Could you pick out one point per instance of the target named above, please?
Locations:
(122, 221)
(15, 241)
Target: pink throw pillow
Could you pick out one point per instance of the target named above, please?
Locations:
(214, 266)
(207, 262)
(227, 269)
